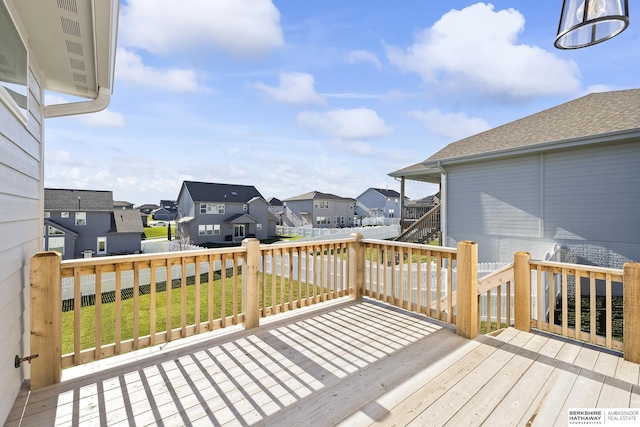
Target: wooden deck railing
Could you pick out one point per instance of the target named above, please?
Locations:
(496, 299)
(416, 277)
(589, 318)
(124, 303)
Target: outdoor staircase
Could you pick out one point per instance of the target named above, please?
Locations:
(424, 230)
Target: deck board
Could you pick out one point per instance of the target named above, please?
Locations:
(343, 362)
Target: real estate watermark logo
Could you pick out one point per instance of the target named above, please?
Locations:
(600, 417)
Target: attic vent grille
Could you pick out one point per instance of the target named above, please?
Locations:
(68, 5)
(82, 89)
(70, 26)
(77, 64)
(80, 78)
(74, 48)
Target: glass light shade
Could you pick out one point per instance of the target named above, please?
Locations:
(588, 22)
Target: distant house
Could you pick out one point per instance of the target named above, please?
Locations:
(170, 206)
(82, 223)
(276, 209)
(148, 208)
(162, 214)
(319, 210)
(120, 204)
(211, 212)
(563, 182)
(378, 203)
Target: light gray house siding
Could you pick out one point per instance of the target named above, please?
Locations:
(21, 175)
(373, 204)
(585, 200)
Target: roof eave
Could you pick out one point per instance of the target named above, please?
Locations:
(605, 138)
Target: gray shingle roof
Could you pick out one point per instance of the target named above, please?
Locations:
(127, 221)
(213, 192)
(386, 192)
(312, 195)
(594, 114)
(77, 200)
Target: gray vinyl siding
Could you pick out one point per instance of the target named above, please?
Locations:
(595, 195)
(592, 203)
(585, 200)
(21, 189)
(495, 198)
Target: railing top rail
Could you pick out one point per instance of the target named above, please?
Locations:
(410, 245)
(581, 267)
(305, 243)
(82, 262)
(495, 279)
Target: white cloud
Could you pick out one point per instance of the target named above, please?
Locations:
(104, 118)
(477, 47)
(294, 88)
(450, 125)
(357, 123)
(363, 56)
(129, 67)
(244, 28)
(63, 157)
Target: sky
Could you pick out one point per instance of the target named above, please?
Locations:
(295, 96)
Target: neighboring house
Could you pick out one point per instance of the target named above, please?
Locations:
(319, 210)
(276, 209)
(567, 176)
(170, 206)
(83, 223)
(162, 214)
(147, 208)
(120, 204)
(35, 58)
(429, 201)
(378, 203)
(211, 212)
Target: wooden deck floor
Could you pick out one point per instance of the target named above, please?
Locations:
(342, 362)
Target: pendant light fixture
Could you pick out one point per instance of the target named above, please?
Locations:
(587, 22)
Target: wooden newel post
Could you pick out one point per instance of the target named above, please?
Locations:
(356, 266)
(467, 289)
(522, 283)
(250, 281)
(631, 311)
(46, 319)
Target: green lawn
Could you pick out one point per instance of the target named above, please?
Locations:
(87, 323)
(157, 232)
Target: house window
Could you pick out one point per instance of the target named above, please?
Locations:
(391, 213)
(339, 220)
(205, 230)
(396, 200)
(216, 229)
(56, 244)
(238, 231)
(212, 208)
(55, 232)
(47, 214)
(102, 246)
(321, 204)
(81, 218)
(258, 226)
(13, 66)
(64, 214)
(323, 220)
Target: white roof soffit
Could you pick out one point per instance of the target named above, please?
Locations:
(74, 45)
